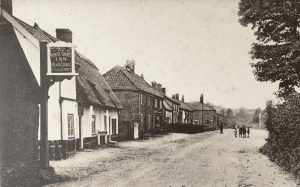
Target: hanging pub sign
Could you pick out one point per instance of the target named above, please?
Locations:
(61, 59)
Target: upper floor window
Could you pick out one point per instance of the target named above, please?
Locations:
(155, 103)
(141, 99)
(148, 100)
(161, 105)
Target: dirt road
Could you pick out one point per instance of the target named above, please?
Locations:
(207, 159)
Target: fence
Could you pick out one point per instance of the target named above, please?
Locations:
(61, 149)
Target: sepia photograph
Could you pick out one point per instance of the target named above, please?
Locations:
(149, 93)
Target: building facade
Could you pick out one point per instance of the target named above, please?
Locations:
(143, 105)
(79, 107)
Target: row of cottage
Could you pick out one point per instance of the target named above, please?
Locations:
(118, 105)
(89, 107)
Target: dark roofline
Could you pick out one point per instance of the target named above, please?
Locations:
(171, 99)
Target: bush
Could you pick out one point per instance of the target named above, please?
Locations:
(184, 128)
(283, 124)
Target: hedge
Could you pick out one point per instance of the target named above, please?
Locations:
(184, 128)
(283, 143)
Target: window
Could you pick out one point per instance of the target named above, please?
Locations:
(207, 122)
(149, 121)
(70, 125)
(155, 103)
(114, 126)
(93, 124)
(105, 123)
(142, 120)
(148, 100)
(141, 99)
(160, 104)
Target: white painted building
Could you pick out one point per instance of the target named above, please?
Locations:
(77, 108)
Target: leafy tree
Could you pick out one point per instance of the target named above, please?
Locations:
(275, 23)
(242, 116)
(255, 117)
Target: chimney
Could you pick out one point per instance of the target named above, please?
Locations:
(6, 5)
(159, 87)
(142, 76)
(201, 98)
(183, 98)
(64, 35)
(163, 90)
(130, 65)
(173, 96)
(154, 85)
(177, 97)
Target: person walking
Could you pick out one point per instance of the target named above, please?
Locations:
(221, 128)
(235, 132)
(240, 132)
(248, 132)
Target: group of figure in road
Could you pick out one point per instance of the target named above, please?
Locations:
(242, 132)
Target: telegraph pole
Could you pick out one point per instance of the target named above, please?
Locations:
(201, 101)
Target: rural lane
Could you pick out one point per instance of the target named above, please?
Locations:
(204, 159)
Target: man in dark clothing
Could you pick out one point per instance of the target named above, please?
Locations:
(240, 132)
(221, 128)
(248, 132)
(244, 132)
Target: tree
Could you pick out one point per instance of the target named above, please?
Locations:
(255, 117)
(276, 25)
(242, 117)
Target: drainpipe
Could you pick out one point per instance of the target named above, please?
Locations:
(107, 125)
(60, 110)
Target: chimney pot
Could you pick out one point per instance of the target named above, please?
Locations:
(201, 98)
(163, 90)
(183, 98)
(173, 96)
(177, 97)
(159, 87)
(154, 85)
(64, 35)
(130, 65)
(142, 76)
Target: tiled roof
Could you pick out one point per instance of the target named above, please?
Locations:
(198, 106)
(184, 106)
(166, 105)
(171, 99)
(91, 87)
(121, 79)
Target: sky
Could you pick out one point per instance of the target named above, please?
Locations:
(191, 47)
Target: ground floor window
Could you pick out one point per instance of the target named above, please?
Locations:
(149, 121)
(114, 126)
(93, 124)
(105, 123)
(70, 125)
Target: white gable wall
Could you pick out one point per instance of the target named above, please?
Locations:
(32, 54)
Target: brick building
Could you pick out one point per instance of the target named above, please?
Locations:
(171, 108)
(208, 113)
(143, 104)
(186, 113)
